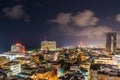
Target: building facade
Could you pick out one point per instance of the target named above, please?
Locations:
(15, 67)
(18, 48)
(48, 45)
(103, 60)
(111, 42)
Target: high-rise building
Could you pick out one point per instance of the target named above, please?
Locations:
(18, 48)
(111, 42)
(48, 45)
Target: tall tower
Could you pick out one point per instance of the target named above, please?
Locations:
(111, 42)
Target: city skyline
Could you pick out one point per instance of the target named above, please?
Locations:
(68, 22)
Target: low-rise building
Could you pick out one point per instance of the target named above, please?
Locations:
(15, 67)
(45, 74)
(3, 60)
(75, 67)
(104, 72)
(103, 60)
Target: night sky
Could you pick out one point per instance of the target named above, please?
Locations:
(68, 22)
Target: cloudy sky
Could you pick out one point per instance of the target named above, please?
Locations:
(68, 22)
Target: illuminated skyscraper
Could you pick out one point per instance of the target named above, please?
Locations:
(50, 45)
(111, 42)
(18, 48)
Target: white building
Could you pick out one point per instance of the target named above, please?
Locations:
(15, 67)
(18, 48)
(116, 59)
(103, 60)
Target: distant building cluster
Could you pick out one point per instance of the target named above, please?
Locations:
(74, 63)
(104, 72)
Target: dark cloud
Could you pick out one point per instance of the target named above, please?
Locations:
(118, 17)
(83, 19)
(83, 24)
(16, 12)
(62, 18)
